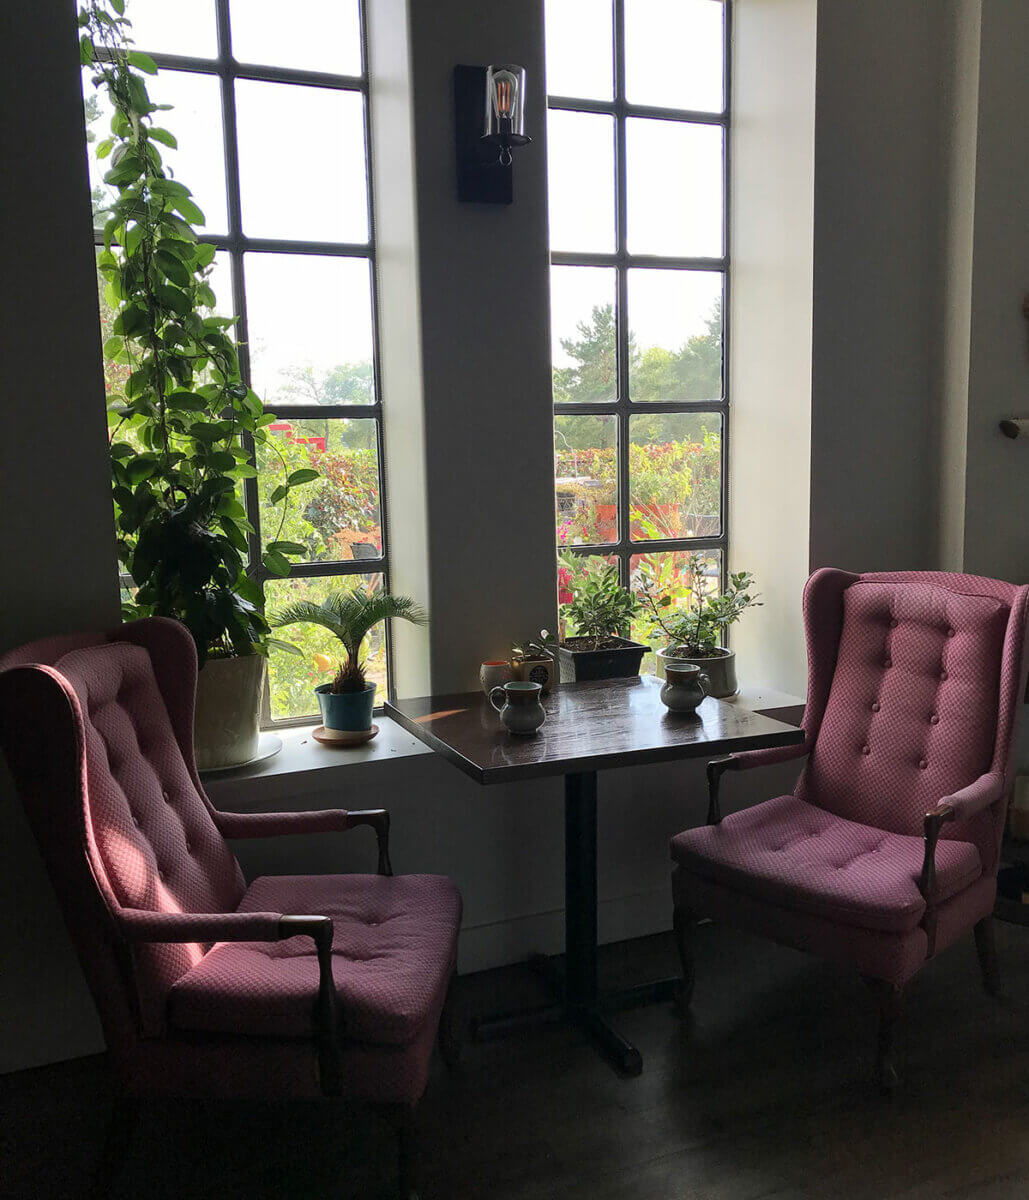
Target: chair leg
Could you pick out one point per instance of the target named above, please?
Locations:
(986, 949)
(121, 1127)
(447, 1039)
(684, 922)
(408, 1158)
(891, 1003)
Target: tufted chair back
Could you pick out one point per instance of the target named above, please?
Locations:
(927, 678)
(98, 734)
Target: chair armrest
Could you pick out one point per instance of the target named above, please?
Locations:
(329, 820)
(716, 768)
(974, 798)
(139, 925)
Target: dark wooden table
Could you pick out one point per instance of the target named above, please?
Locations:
(589, 727)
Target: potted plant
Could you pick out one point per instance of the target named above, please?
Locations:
(600, 611)
(695, 632)
(184, 426)
(533, 661)
(346, 703)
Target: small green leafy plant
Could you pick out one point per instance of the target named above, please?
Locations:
(600, 609)
(183, 423)
(540, 647)
(350, 616)
(696, 630)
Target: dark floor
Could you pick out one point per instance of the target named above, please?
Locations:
(765, 1093)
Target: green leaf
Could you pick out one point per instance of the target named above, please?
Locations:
(141, 467)
(163, 136)
(275, 562)
(287, 547)
(188, 210)
(143, 61)
(173, 298)
(287, 647)
(172, 266)
(305, 475)
(104, 148)
(278, 494)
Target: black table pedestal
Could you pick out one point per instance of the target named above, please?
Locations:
(581, 1002)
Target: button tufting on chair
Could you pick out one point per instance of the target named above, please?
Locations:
(875, 706)
(934, 720)
(866, 749)
(922, 764)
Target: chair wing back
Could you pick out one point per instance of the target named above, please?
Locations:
(928, 677)
(105, 768)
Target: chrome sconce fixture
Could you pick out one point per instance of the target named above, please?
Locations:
(489, 110)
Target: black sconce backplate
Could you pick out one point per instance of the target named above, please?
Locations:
(481, 177)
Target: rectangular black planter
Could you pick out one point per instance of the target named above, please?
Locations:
(613, 662)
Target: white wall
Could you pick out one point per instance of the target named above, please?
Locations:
(873, 416)
(996, 534)
(56, 527)
(771, 210)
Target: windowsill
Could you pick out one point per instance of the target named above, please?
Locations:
(304, 766)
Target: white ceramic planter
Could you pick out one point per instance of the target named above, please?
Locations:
(227, 727)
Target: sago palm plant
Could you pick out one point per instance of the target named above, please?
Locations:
(350, 616)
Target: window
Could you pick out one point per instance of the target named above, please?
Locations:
(638, 120)
(271, 117)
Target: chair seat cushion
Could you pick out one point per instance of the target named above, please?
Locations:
(802, 858)
(393, 951)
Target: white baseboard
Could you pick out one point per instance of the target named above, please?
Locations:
(499, 943)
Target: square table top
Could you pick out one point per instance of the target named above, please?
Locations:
(589, 727)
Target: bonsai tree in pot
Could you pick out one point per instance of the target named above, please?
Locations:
(346, 703)
(601, 611)
(184, 425)
(533, 660)
(695, 632)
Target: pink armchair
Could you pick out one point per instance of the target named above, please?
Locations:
(887, 850)
(292, 986)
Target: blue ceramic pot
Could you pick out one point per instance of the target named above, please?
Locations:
(349, 711)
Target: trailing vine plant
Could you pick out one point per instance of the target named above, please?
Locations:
(183, 428)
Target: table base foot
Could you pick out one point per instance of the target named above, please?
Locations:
(488, 1029)
(657, 991)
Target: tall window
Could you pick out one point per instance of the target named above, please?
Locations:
(637, 126)
(271, 118)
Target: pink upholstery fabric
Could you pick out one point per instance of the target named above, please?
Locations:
(394, 945)
(915, 680)
(823, 620)
(912, 713)
(152, 836)
(892, 956)
(260, 825)
(800, 857)
(98, 732)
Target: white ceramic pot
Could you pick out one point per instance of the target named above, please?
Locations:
(227, 726)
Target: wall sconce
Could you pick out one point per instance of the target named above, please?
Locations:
(489, 116)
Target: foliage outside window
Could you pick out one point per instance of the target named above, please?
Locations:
(292, 264)
(638, 283)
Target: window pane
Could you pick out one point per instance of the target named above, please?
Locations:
(675, 474)
(673, 53)
(579, 48)
(572, 571)
(293, 678)
(668, 575)
(185, 27)
(674, 184)
(336, 516)
(196, 122)
(116, 373)
(586, 480)
(312, 35)
(301, 162)
(581, 161)
(675, 319)
(582, 319)
(309, 322)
